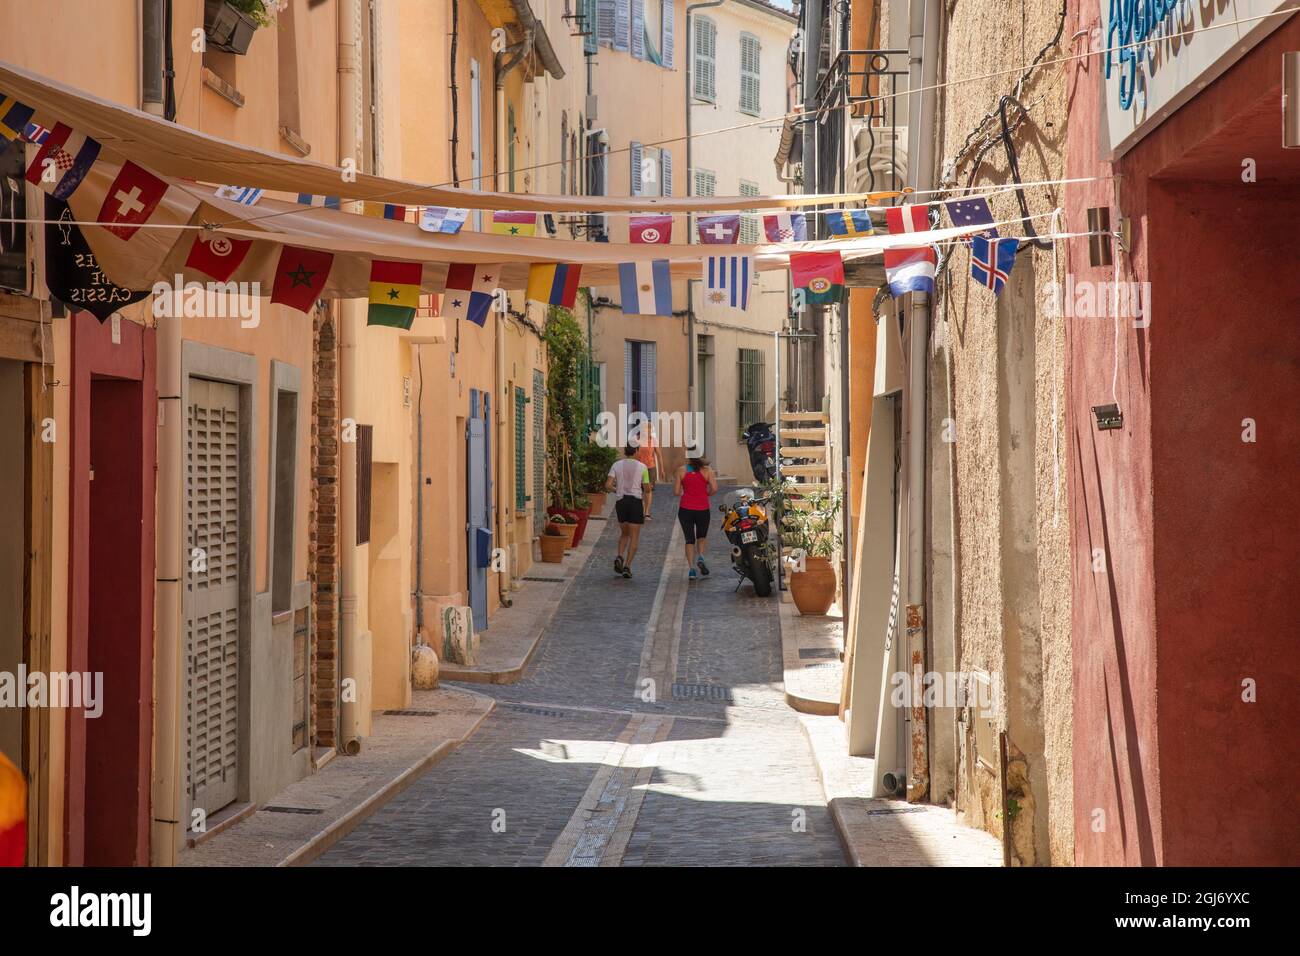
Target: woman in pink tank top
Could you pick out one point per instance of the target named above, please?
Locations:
(695, 482)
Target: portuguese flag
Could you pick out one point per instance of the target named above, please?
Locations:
(394, 293)
(819, 274)
(13, 814)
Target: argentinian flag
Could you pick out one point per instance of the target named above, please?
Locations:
(646, 288)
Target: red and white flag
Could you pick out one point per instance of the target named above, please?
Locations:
(656, 228)
(131, 200)
(914, 217)
(217, 256)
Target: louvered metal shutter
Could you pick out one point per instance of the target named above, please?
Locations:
(666, 164)
(539, 450)
(622, 15)
(648, 378)
(666, 38)
(634, 171)
(627, 376)
(705, 59)
(605, 21)
(638, 29)
(748, 222)
(749, 72)
(212, 486)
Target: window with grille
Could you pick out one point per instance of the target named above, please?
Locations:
(748, 221)
(706, 55)
(749, 74)
(749, 400)
(521, 449)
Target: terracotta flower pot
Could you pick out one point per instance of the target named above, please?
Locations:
(582, 514)
(597, 502)
(813, 588)
(553, 547)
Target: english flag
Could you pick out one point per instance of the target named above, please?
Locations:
(656, 228)
(217, 256)
(131, 200)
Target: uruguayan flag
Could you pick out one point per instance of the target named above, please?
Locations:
(441, 219)
(727, 280)
(646, 288)
(244, 195)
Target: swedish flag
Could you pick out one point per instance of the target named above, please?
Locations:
(849, 223)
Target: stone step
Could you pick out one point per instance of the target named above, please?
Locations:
(805, 471)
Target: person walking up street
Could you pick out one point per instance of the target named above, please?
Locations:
(647, 452)
(694, 484)
(628, 480)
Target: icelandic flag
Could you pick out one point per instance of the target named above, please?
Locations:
(785, 227)
(646, 287)
(244, 195)
(848, 223)
(991, 260)
(973, 211)
(727, 280)
(319, 202)
(441, 219)
(14, 117)
(470, 291)
(69, 155)
(724, 229)
(35, 133)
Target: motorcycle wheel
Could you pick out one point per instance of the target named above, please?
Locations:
(760, 573)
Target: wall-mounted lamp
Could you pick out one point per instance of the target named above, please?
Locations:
(1291, 100)
(1099, 249)
(1108, 417)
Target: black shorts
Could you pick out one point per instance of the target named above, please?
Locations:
(695, 524)
(629, 510)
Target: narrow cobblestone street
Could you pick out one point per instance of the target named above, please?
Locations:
(581, 765)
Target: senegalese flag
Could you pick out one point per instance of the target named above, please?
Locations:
(13, 814)
(847, 223)
(14, 117)
(514, 223)
(394, 293)
(555, 283)
(384, 210)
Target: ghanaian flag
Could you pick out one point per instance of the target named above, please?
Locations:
(394, 293)
(554, 283)
(13, 814)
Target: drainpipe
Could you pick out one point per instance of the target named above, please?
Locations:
(690, 189)
(925, 19)
(499, 373)
(349, 67)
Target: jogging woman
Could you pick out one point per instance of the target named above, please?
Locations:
(695, 482)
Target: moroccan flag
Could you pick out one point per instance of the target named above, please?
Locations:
(514, 223)
(300, 277)
(69, 155)
(217, 256)
(13, 814)
(131, 200)
(654, 229)
(394, 293)
(470, 291)
(14, 117)
(819, 274)
(555, 283)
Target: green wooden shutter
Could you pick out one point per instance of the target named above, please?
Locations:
(521, 449)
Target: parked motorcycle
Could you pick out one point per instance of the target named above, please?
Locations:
(761, 441)
(744, 522)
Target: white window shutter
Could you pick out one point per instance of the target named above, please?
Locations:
(634, 177)
(749, 74)
(705, 59)
(621, 17)
(605, 21)
(666, 171)
(666, 37)
(638, 29)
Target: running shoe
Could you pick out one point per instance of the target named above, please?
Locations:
(704, 570)
(627, 572)
(618, 564)
(691, 575)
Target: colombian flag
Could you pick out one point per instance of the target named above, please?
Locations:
(13, 814)
(394, 293)
(14, 117)
(554, 283)
(849, 223)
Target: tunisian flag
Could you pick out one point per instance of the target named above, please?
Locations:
(217, 256)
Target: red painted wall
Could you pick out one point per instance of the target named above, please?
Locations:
(111, 579)
(1201, 531)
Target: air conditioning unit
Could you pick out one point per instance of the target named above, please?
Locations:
(879, 158)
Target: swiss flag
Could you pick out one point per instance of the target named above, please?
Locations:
(300, 277)
(217, 256)
(131, 200)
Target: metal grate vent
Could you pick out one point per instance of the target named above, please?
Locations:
(410, 713)
(701, 692)
(307, 810)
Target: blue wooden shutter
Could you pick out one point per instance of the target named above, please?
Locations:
(605, 21)
(638, 29)
(589, 26)
(621, 17)
(666, 38)
(634, 172)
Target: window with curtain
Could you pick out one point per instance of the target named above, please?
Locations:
(706, 53)
(749, 70)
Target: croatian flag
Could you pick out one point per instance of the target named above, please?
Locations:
(470, 291)
(68, 155)
(319, 202)
(719, 230)
(244, 195)
(727, 280)
(991, 260)
(646, 287)
(441, 219)
(786, 227)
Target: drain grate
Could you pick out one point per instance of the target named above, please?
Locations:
(307, 810)
(538, 711)
(891, 810)
(701, 692)
(806, 652)
(545, 580)
(410, 713)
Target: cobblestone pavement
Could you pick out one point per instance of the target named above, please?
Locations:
(581, 765)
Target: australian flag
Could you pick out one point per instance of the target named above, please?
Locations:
(991, 260)
(972, 211)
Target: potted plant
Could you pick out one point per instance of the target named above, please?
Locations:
(566, 524)
(809, 539)
(230, 24)
(594, 463)
(582, 511)
(552, 542)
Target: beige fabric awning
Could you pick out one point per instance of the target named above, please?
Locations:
(184, 153)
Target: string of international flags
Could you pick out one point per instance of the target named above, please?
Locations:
(64, 157)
